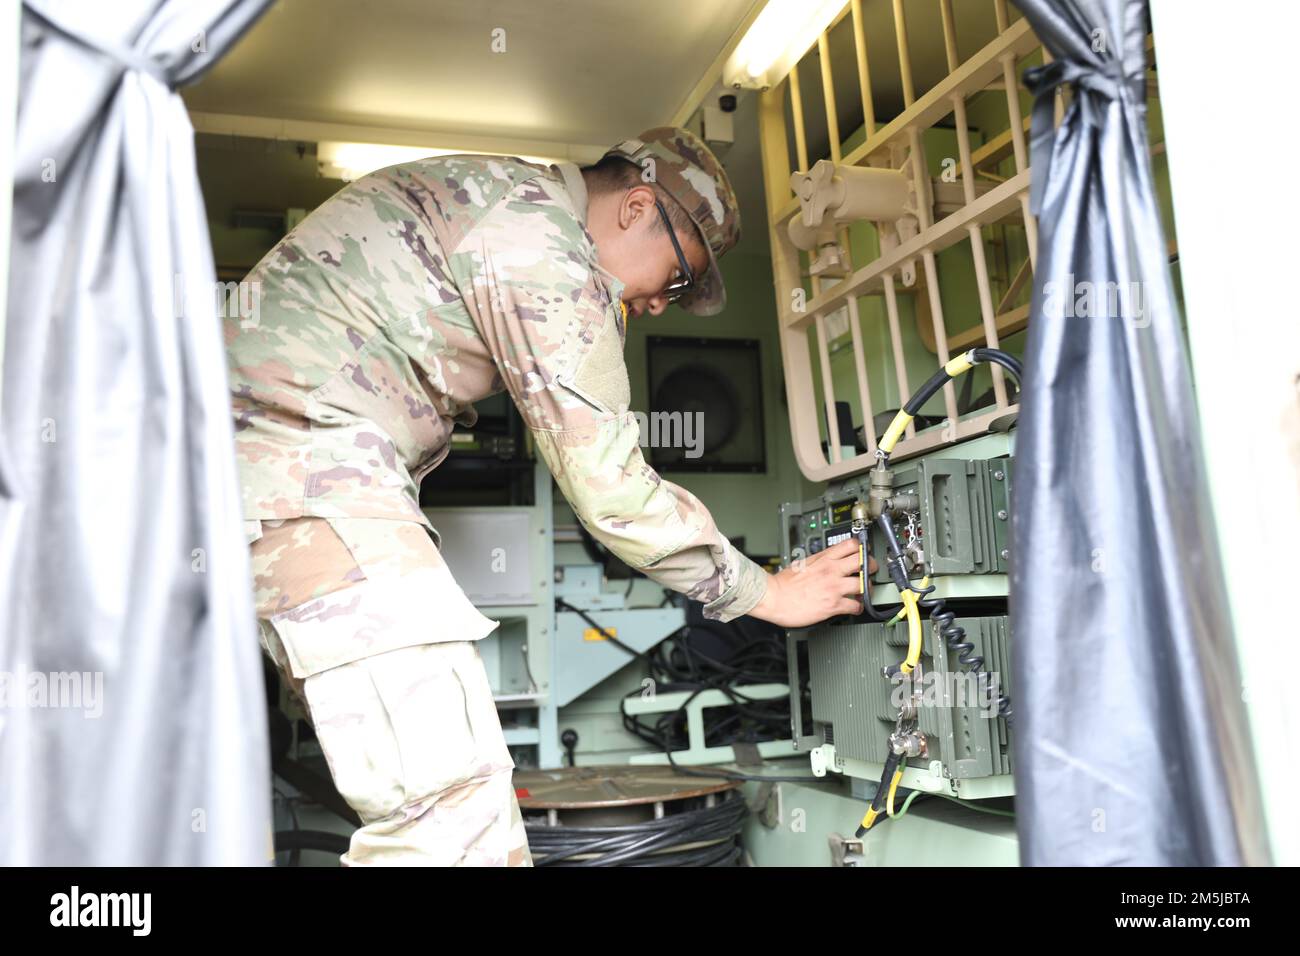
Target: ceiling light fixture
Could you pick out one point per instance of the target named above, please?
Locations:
(780, 35)
(349, 161)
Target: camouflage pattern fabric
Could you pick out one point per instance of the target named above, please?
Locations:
(420, 289)
(394, 688)
(379, 321)
(415, 746)
(679, 162)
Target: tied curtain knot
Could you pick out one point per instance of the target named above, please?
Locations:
(124, 56)
(1106, 79)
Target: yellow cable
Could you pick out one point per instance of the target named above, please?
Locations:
(953, 367)
(962, 363)
(893, 789)
(869, 818)
(914, 625)
(913, 632)
(895, 431)
(902, 611)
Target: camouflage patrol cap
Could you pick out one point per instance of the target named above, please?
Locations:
(688, 171)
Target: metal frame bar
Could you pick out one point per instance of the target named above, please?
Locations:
(695, 703)
(901, 137)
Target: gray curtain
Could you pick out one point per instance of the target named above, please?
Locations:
(134, 729)
(1131, 743)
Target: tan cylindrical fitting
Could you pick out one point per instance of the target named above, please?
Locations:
(807, 237)
(846, 193)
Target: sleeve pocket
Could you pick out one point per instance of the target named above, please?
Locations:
(600, 376)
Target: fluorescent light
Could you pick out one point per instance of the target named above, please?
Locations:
(780, 35)
(349, 161)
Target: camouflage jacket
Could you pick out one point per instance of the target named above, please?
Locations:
(416, 291)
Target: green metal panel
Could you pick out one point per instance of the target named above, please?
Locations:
(962, 525)
(854, 707)
(800, 824)
(959, 536)
(959, 520)
(1000, 471)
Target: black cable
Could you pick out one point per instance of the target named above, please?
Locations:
(321, 840)
(999, 357)
(878, 801)
(927, 391)
(941, 378)
(696, 671)
(737, 775)
(770, 716)
(703, 836)
(677, 665)
(561, 603)
(954, 635)
(943, 620)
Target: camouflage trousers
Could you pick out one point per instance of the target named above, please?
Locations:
(374, 637)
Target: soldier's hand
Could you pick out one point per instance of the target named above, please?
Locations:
(815, 588)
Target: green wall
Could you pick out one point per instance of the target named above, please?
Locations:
(240, 175)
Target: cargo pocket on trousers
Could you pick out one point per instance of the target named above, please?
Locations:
(377, 616)
(358, 739)
(399, 729)
(491, 749)
(429, 708)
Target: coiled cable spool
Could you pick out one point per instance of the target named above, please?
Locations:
(630, 816)
(706, 836)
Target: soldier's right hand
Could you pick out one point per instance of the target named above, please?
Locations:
(813, 589)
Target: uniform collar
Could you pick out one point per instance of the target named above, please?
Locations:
(577, 187)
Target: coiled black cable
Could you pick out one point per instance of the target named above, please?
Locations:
(676, 664)
(954, 635)
(945, 621)
(705, 836)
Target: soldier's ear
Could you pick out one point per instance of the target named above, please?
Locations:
(637, 208)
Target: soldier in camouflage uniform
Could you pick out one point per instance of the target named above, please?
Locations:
(384, 316)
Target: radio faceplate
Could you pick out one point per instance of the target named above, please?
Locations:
(960, 526)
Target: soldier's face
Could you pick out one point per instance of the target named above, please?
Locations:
(633, 245)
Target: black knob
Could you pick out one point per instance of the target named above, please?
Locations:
(570, 740)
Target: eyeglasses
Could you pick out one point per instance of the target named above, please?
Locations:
(686, 282)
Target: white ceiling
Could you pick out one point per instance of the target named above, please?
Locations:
(581, 73)
(573, 71)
